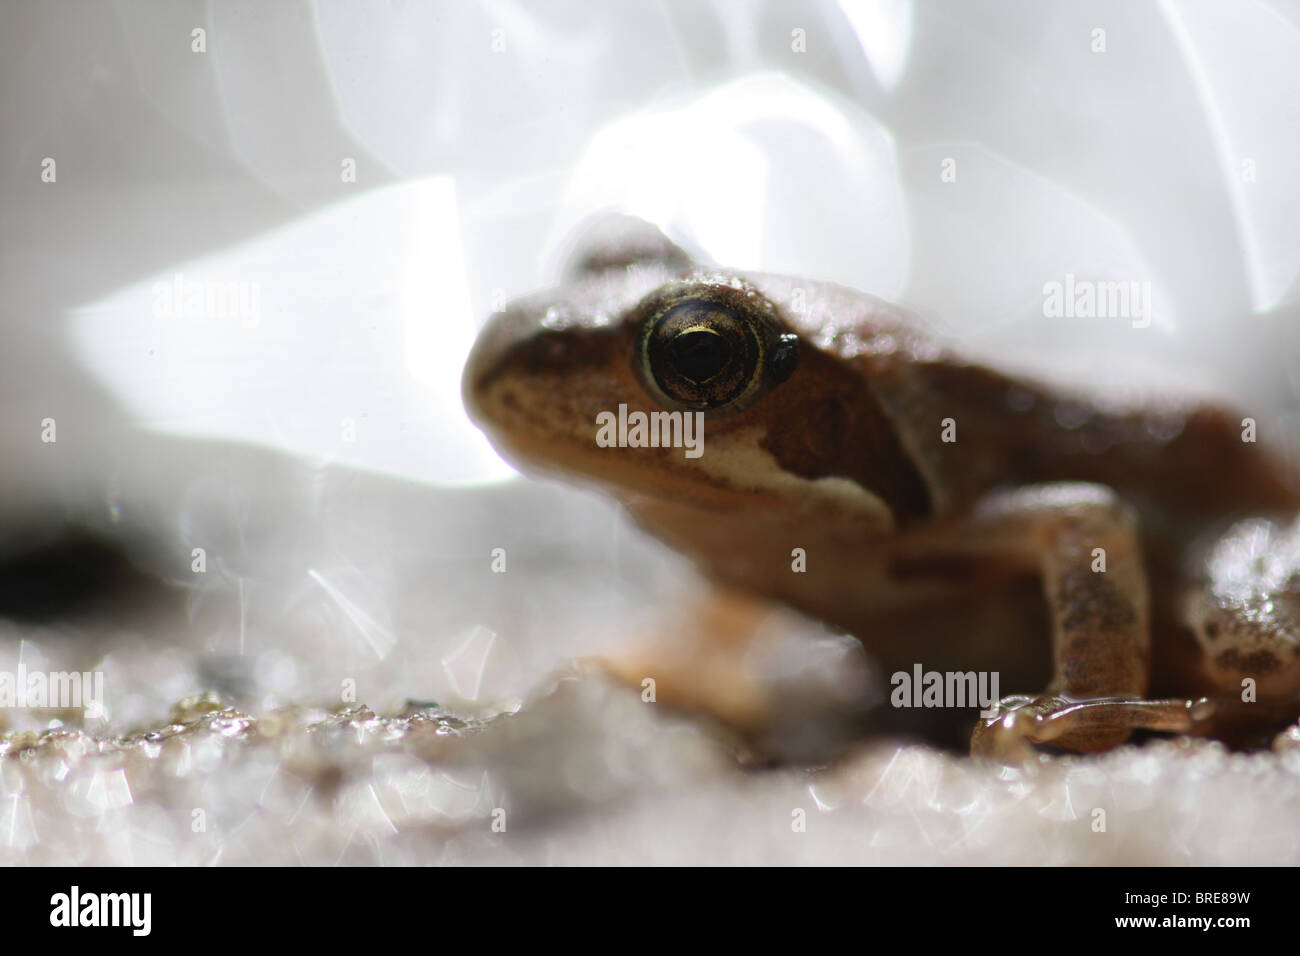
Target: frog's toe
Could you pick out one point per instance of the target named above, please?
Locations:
(1090, 725)
(1008, 732)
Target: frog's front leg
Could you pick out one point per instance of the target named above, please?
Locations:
(1083, 541)
(695, 659)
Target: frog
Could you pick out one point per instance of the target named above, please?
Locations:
(1123, 563)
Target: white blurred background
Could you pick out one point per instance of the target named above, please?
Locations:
(245, 249)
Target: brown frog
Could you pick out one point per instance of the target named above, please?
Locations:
(941, 509)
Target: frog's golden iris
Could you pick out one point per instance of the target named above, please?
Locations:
(699, 353)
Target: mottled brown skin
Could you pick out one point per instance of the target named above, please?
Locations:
(931, 551)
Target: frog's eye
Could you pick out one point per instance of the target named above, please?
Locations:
(705, 354)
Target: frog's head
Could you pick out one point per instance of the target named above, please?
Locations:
(764, 405)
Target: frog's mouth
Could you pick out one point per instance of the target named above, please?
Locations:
(555, 435)
(551, 433)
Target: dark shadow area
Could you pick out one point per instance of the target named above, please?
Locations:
(76, 575)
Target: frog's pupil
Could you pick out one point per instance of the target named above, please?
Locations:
(700, 354)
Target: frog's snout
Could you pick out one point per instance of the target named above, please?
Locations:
(538, 375)
(487, 361)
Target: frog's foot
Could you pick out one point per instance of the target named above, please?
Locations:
(1085, 725)
(697, 661)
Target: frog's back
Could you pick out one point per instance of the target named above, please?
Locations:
(970, 424)
(1185, 457)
